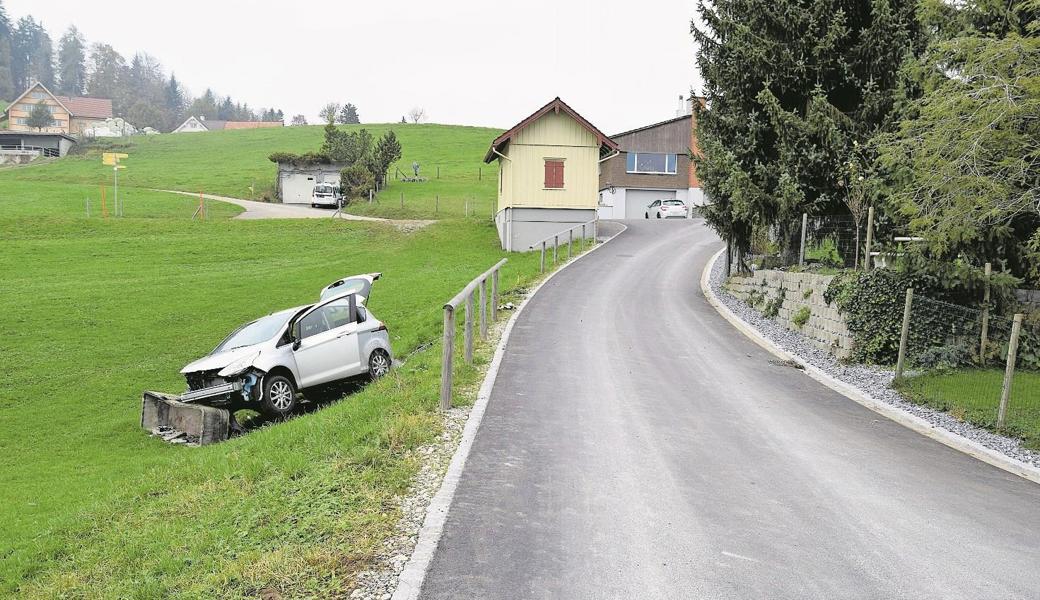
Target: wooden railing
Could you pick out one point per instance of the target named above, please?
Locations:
(465, 297)
(570, 241)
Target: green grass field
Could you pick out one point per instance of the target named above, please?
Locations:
(974, 395)
(234, 163)
(95, 311)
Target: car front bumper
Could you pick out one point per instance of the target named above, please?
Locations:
(217, 392)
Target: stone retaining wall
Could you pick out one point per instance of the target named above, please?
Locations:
(825, 328)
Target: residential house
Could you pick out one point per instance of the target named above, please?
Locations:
(70, 115)
(199, 124)
(548, 168)
(654, 164)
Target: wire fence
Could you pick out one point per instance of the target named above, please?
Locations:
(827, 242)
(956, 360)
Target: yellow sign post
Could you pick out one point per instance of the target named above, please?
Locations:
(111, 159)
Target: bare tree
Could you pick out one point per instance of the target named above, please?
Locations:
(417, 114)
(299, 120)
(328, 112)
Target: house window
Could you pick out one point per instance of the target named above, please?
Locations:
(651, 162)
(553, 173)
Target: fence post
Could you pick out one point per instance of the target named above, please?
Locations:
(570, 241)
(467, 208)
(582, 237)
(438, 172)
(801, 251)
(468, 330)
(494, 296)
(542, 268)
(447, 353)
(370, 196)
(483, 310)
(595, 230)
(480, 173)
(88, 208)
(556, 244)
(1009, 371)
(402, 199)
(905, 333)
(870, 238)
(437, 203)
(984, 338)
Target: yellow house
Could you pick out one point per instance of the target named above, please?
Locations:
(69, 115)
(548, 175)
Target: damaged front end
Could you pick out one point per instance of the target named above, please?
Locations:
(223, 390)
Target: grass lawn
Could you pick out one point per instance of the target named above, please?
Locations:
(974, 395)
(234, 163)
(95, 311)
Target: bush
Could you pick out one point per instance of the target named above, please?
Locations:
(801, 317)
(356, 180)
(946, 357)
(872, 304)
(772, 308)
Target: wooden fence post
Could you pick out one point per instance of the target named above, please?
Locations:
(447, 354)
(582, 237)
(437, 203)
(402, 199)
(984, 337)
(905, 333)
(801, 251)
(870, 237)
(494, 296)
(483, 311)
(570, 242)
(1009, 371)
(468, 330)
(556, 244)
(542, 267)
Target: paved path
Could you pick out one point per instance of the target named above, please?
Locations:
(274, 210)
(637, 446)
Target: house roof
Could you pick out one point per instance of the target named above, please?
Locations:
(645, 127)
(33, 134)
(89, 108)
(555, 105)
(213, 125)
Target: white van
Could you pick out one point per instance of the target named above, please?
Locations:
(327, 195)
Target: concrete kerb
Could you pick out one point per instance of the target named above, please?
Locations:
(411, 579)
(910, 421)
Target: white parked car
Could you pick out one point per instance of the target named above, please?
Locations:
(666, 209)
(264, 364)
(327, 195)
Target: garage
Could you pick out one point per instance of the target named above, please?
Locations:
(295, 183)
(636, 201)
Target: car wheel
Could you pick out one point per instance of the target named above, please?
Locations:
(279, 398)
(646, 215)
(378, 364)
(658, 215)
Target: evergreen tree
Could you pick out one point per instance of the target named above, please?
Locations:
(32, 53)
(226, 110)
(108, 73)
(792, 87)
(173, 97)
(40, 116)
(349, 114)
(8, 90)
(72, 63)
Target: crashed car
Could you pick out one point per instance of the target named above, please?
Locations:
(264, 364)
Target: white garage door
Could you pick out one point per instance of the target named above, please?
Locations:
(297, 188)
(636, 201)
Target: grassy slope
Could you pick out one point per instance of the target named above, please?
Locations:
(95, 311)
(974, 395)
(234, 163)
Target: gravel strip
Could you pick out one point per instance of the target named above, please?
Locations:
(872, 381)
(380, 581)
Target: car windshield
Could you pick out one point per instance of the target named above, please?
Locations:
(256, 332)
(673, 202)
(324, 190)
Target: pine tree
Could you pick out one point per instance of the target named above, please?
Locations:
(8, 89)
(33, 55)
(349, 114)
(792, 86)
(72, 63)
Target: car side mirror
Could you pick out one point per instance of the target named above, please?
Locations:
(296, 344)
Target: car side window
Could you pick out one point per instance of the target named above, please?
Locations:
(338, 313)
(313, 324)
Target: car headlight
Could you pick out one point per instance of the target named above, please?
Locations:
(238, 366)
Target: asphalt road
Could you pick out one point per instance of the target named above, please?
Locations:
(637, 446)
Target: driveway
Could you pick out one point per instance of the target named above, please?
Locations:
(637, 446)
(274, 210)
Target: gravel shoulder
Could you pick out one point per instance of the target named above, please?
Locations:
(873, 381)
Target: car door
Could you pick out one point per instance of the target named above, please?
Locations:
(328, 342)
(355, 284)
(654, 211)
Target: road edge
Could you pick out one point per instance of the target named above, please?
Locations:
(910, 421)
(410, 581)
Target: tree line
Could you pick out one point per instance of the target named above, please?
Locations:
(926, 111)
(140, 90)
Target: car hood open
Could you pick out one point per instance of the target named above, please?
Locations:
(215, 362)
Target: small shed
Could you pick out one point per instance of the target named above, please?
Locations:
(296, 182)
(32, 144)
(548, 174)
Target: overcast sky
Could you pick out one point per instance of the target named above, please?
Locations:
(621, 64)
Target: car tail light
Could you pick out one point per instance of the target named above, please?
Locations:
(382, 327)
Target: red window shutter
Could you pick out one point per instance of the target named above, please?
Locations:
(553, 174)
(559, 174)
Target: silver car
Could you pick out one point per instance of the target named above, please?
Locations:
(263, 364)
(666, 209)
